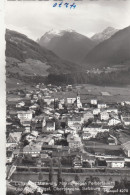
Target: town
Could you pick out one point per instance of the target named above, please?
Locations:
(60, 140)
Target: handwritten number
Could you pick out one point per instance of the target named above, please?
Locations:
(66, 4)
(60, 4)
(55, 4)
(73, 5)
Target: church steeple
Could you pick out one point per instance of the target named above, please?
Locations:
(79, 104)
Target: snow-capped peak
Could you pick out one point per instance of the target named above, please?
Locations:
(48, 36)
(54, 32)
(105, 34)
(109, 30)
(59, 32)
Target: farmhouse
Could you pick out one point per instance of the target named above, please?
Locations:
(113, 121)
(115, 162)
(74, 141)
(13, 139)
(104, 115)
(126, 148)
(24, 115)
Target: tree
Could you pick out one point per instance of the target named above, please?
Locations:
(110, 179)
(40, 176)
(51, 172)
(59, 175)
(57, 124)
(77, 179)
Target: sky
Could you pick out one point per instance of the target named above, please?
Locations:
(35, 18)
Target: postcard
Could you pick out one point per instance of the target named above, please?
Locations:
(67, 94)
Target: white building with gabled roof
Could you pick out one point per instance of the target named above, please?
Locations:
(126, 148)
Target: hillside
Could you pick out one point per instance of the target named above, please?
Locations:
(27, 55)
(113, 51)
(67, 44)
(26, 59)
(28, 63)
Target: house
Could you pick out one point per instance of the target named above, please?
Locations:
(58, 135)
(88, 115)
(113, 121)
(115, 110)
(60, 106)
(115, 162)
(34, 133)
(9, 156)
(90, 159)
(126, 121)
(70, 130)
(30, 138)
(38, 118)
(101, 105)
(71, 100)
(57, 115)
(101, 163)
(34, 107)
(111, 141)
(104, 115)
(74, 121)
(35, 96)
(48, 100)
(16, 152)
(93, 102)
(77, 163)
(26, 124)
(62, 101)
(126, 148)
(127, 102)
(44, 160)
(105, 128)
(28, 95)
(36, 126)
(96, 111)
(125, 118)
(25, 115)
(20, 104)
(92, 130)
(33, 148)
(113, 115)
(74, 141)
(48, 140)
(76, 126)
(13, 139)
(50, 125)
(87, 135)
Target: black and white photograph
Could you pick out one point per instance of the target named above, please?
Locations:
(67, 77)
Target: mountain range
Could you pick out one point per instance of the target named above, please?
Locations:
(26, 58)
(113, 51)
(26, 52)
(67, 44)
(104, 35)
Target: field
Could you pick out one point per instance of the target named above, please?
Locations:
(103, 149)
(34, 177)
(87, 92)
(124, 137)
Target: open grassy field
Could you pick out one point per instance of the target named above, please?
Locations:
(88, 92)
(124, 137)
